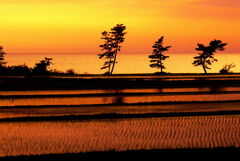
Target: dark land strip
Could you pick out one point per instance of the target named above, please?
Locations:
(45, 83)
(114, 94)
(124, 104)
(118, 116)
(155, 154)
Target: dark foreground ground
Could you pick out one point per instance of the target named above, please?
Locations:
(112, 116)
(116, 81)
(167, 154)
(146, 81)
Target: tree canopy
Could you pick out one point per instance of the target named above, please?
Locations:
(111, 46)
(157, 56)
(206, 56)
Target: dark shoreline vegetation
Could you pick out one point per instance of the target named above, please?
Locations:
(154, 154)
(40, 69)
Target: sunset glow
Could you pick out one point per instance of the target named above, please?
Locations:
(75, 26)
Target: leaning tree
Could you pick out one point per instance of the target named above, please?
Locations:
(111, 46)
(157, 57)
(206, 56)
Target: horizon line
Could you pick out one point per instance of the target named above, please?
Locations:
(99, 53)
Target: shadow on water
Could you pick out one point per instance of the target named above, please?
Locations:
(213, 89)
(116, 91)
(117, 96)
(118, 99)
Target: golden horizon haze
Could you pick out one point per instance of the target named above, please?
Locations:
(59, 26)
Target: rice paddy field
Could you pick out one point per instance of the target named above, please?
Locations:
(38, 112)
(32, 138)
(43, 122)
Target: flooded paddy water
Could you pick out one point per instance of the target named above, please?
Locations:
(37, 136)
(114, 99)
(81, 110)
(34, 138)
(119, 96)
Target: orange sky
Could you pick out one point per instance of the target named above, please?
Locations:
(61, 26)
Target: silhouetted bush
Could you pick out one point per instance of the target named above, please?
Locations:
(71, 72)
(19, 70)
(3, 70)
(160, 73)
(41, 68)
(56, 72)
(227, 68)
(15, 70)
(107, 73)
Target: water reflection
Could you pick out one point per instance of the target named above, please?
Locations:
(116, 96)
(116, 99)
(51, 111)
(216, 89)
(114, 91)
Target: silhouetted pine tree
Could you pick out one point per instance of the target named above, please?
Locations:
(206, 57)
(157, 56)
(111, 46)
(108, 54)
(2, 54)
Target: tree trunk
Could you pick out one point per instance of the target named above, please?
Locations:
(109, 68)
(204, 68)
(115, 57)
(161, 70)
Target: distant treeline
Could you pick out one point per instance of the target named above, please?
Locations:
(40, 68)
(111, 47)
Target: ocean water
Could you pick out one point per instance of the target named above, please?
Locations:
(127, 63)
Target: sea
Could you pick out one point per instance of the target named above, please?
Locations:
(126, 63)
